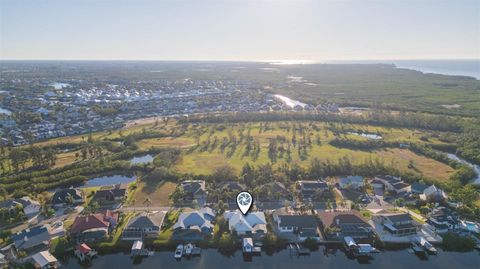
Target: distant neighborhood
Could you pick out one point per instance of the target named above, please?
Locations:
(72, 107)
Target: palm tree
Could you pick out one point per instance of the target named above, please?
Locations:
(147, 202)
(195, 204)
(133, 203)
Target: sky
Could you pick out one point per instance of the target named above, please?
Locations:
(307, 30)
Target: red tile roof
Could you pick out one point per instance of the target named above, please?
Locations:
(111, 214)
(92, 221)
(84, 248)
(330, 219)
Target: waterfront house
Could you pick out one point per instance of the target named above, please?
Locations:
(143, 226)
(66, 197)
(31, 239)
(441, 220)
(193, 225)
(397, 224)
(90, 228)
(312, 189)
(252, 224)
(299, 227)
(353, 182)
(44, 260)
(194, 190)
(337, 225)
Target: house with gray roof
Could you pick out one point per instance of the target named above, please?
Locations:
(29, 206)
(193, 225)
(418, 188)
(143, 226)
(31, 239)
(394, 184)
(310, 189)
(300, 226)
(397, 224)
(67, 196)
(354, 182)
(110, 196)
(194, 190)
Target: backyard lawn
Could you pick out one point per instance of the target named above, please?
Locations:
(158, 193)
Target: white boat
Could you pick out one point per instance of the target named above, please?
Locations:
(188, 249)
(179, 252)
(247, 245)
(417, 248)
(426, 245)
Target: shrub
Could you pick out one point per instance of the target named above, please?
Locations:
(454, 242)
(226, 242)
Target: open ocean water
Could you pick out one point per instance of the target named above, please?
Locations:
(469, 68)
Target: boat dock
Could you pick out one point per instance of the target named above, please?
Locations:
(139, 250)
(84, 252)
(358, 250)
(297, 250)
(249, 248)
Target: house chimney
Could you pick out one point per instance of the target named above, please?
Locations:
(337, 221)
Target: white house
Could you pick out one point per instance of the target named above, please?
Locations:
(253, 223)
(433, 194)
(30, 207)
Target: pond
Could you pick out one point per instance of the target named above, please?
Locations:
(59, 85)
(476, 168)
(142, 159)
(212, 259)
(5, 111)
(367, 135)
(108, 180)
(289, 102)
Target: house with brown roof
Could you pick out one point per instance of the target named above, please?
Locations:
(337, 225)
(90, 228)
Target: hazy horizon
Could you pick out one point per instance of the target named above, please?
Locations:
(260, 30)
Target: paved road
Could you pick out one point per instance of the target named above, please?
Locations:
(144, 208)
(416, 215)
(39, 220)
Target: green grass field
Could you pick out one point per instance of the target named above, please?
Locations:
(196, 160)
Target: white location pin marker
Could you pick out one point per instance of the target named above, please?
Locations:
(244, 201)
